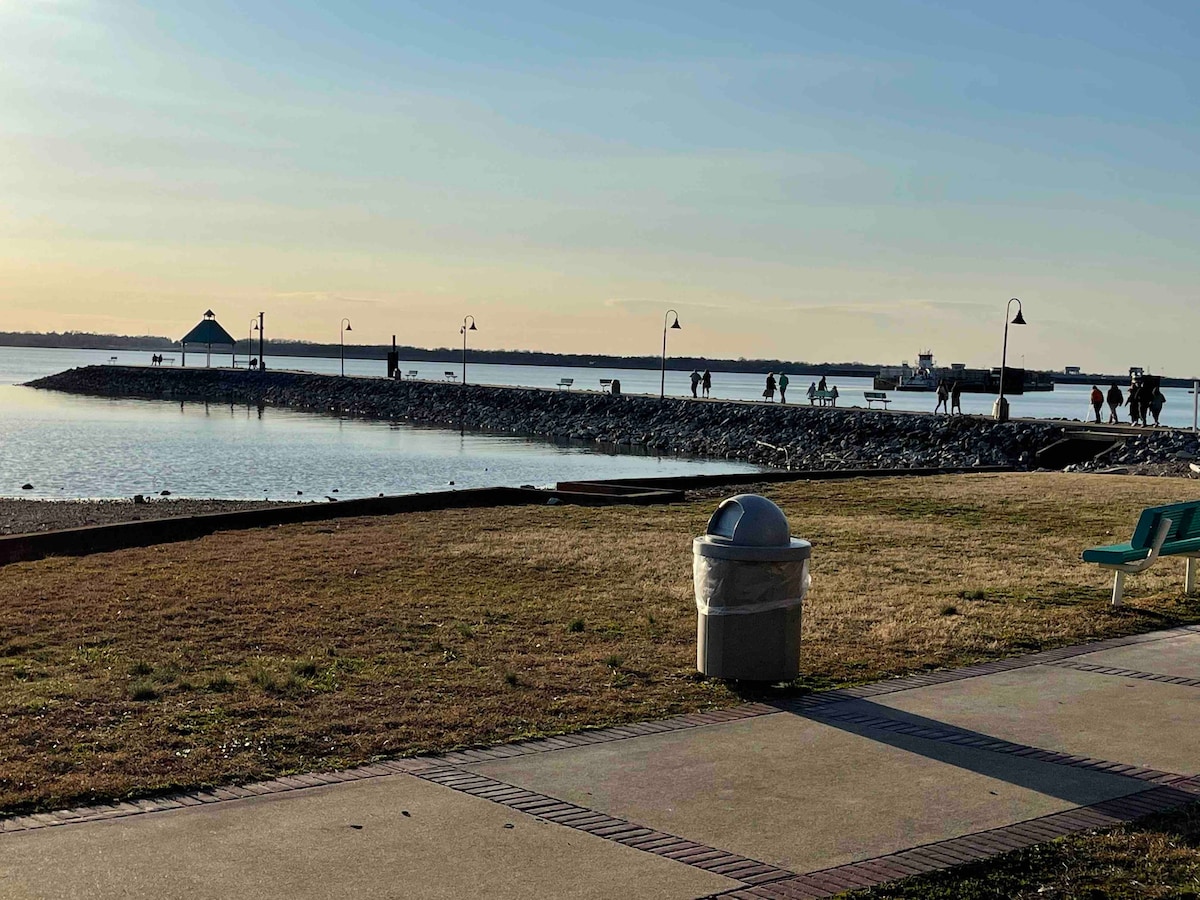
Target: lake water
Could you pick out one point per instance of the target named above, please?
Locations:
(69, 446)
(72, 447)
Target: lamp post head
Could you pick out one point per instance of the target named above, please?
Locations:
(1018, 319)
(348, 328)
(676, 324)
(472, 328)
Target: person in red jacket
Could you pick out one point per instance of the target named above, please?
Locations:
(1097, 401)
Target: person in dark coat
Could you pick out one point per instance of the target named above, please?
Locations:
(695, 382)
(1135, 402)
(769, 390)
(956, 398)
(822, 385)
(1157, 399)
(1115, 401)
(706, 381)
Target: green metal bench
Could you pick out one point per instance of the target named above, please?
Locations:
(1161, 531)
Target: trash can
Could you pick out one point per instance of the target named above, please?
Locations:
(615, 387)
(751, 578)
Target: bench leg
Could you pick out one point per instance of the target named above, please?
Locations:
(1118, 588)
(1189, 579)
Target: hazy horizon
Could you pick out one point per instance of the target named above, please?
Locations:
(800, 181)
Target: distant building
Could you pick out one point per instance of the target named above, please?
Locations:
(1071, 370)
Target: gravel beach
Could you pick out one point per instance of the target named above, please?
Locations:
(24, 516)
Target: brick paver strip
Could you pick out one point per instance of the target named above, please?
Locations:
(1126, 673)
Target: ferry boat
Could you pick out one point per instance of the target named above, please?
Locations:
(926, 376)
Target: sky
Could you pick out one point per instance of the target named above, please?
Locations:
(852, 181)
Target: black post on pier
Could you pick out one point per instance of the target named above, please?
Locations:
(261, 362)
(393, 361)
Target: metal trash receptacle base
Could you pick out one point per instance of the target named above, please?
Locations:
(753, 647)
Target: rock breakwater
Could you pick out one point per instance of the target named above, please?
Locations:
(801, 437)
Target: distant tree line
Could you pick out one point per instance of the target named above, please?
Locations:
(78, 340)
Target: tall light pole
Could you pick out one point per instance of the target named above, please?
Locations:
(1000, 410)
(463, 331)
(250, 340)
(345, 327)
(662, 387)
(261, 360)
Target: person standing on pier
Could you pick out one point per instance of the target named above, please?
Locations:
(1097, 401)
(1134, 401)
(956, 399)
(1157, 399)
(822, 385)
(769, 390)
(706, 382)
(943, 398)
(695, 382)
(783, 383)
(1115, 401)
(812, 393)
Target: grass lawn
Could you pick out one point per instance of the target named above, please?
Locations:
(1154, 859)
(252, 653)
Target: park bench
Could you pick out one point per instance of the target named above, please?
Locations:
(410, 373)
(824, 398)
(873, 397)
(1161, 531)
(566, 383)
(606, 384)
(450, 376)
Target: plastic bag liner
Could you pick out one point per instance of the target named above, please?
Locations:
(726, 587)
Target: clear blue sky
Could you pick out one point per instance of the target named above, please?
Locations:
(802, 180)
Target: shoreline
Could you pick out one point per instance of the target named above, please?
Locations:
(21, 516)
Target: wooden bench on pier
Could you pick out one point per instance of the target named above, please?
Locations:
(410, 374)
(606, 384)
(1161, 531)
(566, 383)
(823, 398)
(450, 376)
(873, 397)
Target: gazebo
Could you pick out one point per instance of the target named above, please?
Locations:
(207, 332)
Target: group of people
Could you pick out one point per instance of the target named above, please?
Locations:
(949, 399)
(1145, 399)
(701, 382)
(156, 359)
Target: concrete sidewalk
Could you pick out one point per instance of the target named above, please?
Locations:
(803, 799)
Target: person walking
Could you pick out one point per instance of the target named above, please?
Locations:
(1134, 402)
(811, 393)
(695, 382)
(1115, 401)
(1097, 399)
(822, 386)
(956, 398)
(1157, 399)
(783, 383)
(943, 398)
(769, 390)
(706, 381)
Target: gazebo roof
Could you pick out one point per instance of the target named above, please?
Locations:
(208, 332)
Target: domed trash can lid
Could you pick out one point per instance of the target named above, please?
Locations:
(750, 527)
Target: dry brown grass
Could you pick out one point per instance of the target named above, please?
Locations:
(319, 645)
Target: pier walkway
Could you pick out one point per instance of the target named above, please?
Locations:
(804, 798)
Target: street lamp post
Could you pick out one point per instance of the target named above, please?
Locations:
(345, 327)
(1000, 410)
(463, 331)
(250, 340)
(261, 359)
(662, 387)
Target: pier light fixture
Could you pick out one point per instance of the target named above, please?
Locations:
(1000, 410)
(662, 387)
(463, 331)
(261, 331)
(345, 327)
